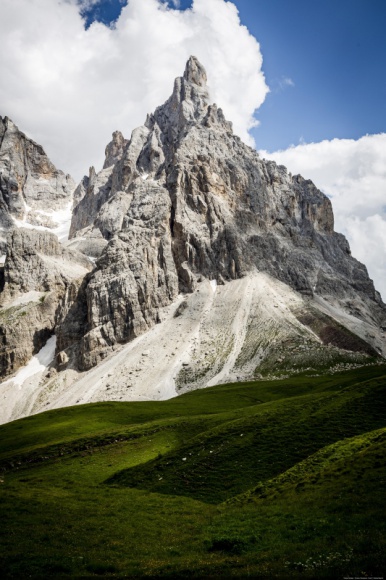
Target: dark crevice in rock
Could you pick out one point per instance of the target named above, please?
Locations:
(172, 219)
(2, 279)
(40, 338)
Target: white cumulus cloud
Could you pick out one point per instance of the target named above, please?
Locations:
(70, 88)
(353, 174)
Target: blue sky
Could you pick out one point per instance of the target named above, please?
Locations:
(324, 61)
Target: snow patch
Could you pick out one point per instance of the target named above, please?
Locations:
(2, 259)
(213, 283)
(38, 363)
(61, 219)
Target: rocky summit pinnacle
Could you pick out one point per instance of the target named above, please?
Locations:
(210, 265)
(195, 73)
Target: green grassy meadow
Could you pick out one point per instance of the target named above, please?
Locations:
(268, 479)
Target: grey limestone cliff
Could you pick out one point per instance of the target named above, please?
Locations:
(30, 185)
(185, 199)
(37, 272)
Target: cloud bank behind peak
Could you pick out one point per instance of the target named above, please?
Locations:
(70, 88)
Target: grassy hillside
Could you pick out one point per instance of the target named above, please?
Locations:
(266, 479)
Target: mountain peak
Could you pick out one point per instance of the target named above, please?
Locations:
(188, 103)
(32, 189)
(199, 243)
(195, 72)
(114, 149)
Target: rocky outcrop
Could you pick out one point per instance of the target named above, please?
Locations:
(30, 185)
(37, 272)
(184, 200)
(114, 149)
(134, 278)
(36, 261)
(24, 329)
(94, 191)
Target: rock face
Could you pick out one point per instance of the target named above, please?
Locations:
(31, 188)
(37, 272)
(36, 261)
(184, 199)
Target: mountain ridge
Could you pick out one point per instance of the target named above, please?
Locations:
(186, 233)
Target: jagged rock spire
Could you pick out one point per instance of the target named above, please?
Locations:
(114, 149)
(188, 103)
(195, 72)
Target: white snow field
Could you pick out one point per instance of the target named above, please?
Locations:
(17, 393)
(61, 218)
